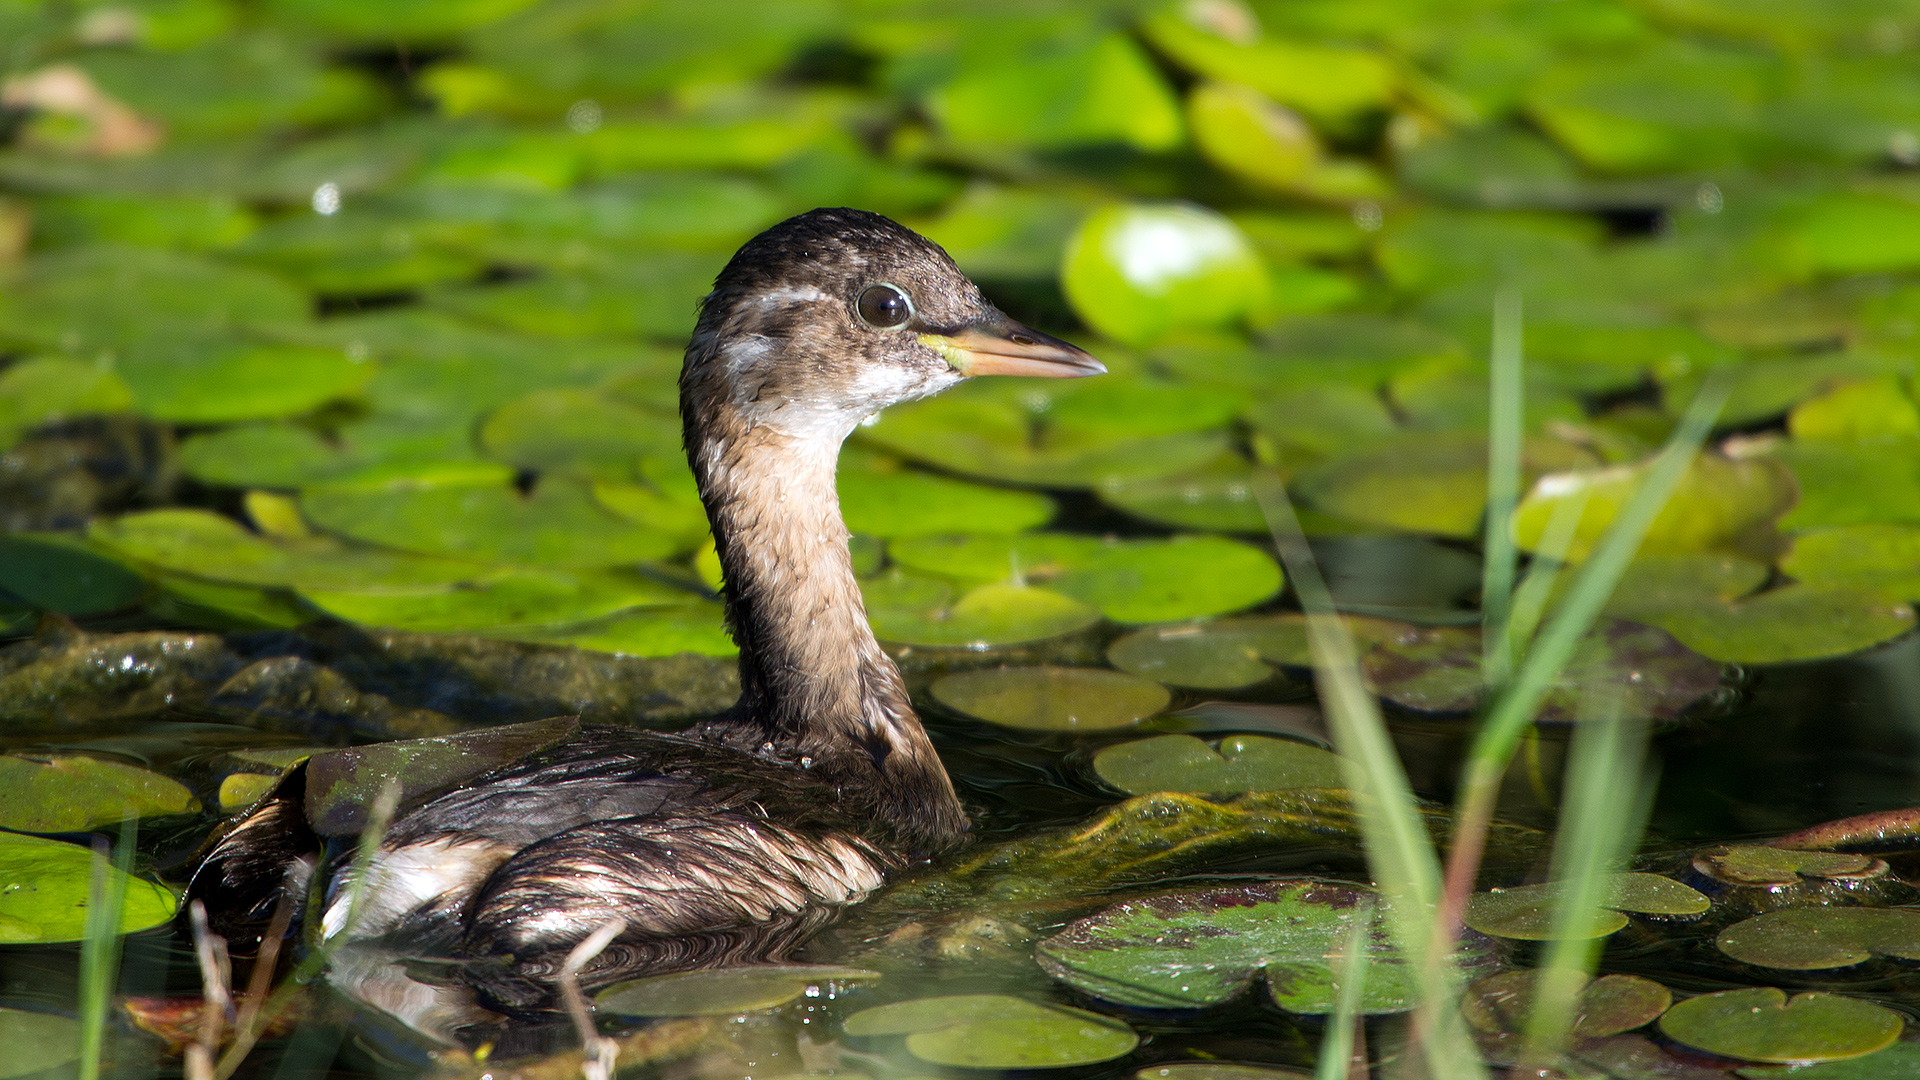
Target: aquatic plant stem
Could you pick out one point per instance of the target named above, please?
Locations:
(100, 943)
(1400, 852)
(1350, 968)
(1505, 425)
(1499, 734)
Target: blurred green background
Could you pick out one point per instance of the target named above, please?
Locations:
(374, 309)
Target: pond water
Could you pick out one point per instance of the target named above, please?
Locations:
(338, 407)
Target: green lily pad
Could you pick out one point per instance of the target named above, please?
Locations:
(994, 1031)
(1129, 580)
(1430, 482)
(1137, 272)
(652, 631)
(1437, 669)
(1789, 624)
(48, 389)
(1654, 584)
(36, 1042)
(1332, 84)
(1762, 1024)
(1900, 1061)
(1875, 408)
(580, 432)
(1878, 558)
(1216, 1070)
(557, 525)
(1230, 653)
(1052, 698)
(1814, 939)
(502, 602)
(240, 790)
(54, 572)
(1609, 1005)
(725, 991)
(1251, 136)
(44, 887)
(200, 542)
(915, 610)
(1717, 500)
(1105, 91)
(86, 299)
(1526, 913)
(650, 296)
(1671, 106)
(1189, 950)
(1233, 764)
(1754, 864)
(70, 793)
(1216, 496)
(887, 502)
(215, 382)
(1852, 483)
(342, 784)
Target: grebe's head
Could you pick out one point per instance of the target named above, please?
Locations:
(831, 316)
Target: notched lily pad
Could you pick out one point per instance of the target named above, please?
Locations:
(1233, 764)
(1526, 913)
(44, 887)
(1052, 698)
(725, 991)
(1189, 950)
(1762, 1024)
(71, 793)
(1609, 1005)
(995, 1031)
(342, 784)
(1755, 864)
(1814, 939)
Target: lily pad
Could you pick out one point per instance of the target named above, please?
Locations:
(1880, 558)
(1762, 1024)
(1103, 91)
(887, 502)
(1717, 501)
(1790, 624)
(1849, 483)
(70, 793)
(1052, 698)
(1900, 1061)
(1526, 913)
(580, 432)
(1189, 950)
(1216, 1070)
(1876, 408)
(341, 784)
(1754, 864)
(501, 603)
(994, 1031)
(53, 572)
(1609, 1005)
(1430, 483)
(1217, 495)
(1233, 764)
(1137, 272)
(1230, 653)
(655, 631)
(36, 1042)
(44, 887)
(241, 790)
(724, 991)
(48, 389)
(215, 382)
(916, 610)
(1814, 939)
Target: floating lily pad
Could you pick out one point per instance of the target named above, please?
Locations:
(915, 610)
(1762, 1024)
(1789, 624)
(48, 389)
(1189, 950)
(1233, 764)
(56, 573)
(1753, 864)
(36, 1042)
(1849, 483)
(1876, 408)
(1431, 483)
(1216, 1070)
(1230, 653)
(1052, 698)
(242, 789)
(724, 991)
(1526, 913)
(70, 793)
(578, 431)
(1653, 584)
(1900, 1061)
(341, 784)
(196, 383)
(88, 298)
(1437, 669)
(890, 502)
(654, 631)
(1880, 558)
(44, 887)
(1609, 1005)
(1718, 499)
(1814, 939)
(1137, 272)
(994, 1031)
(1103, 91)
(502, 603)
(1217, 495)
(204, 543)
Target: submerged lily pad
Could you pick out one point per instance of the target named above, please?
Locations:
(1526, 913)
(342, 784)
(1813, 939)
(36, 1042)
(994, 1031)
(1189, 950)
(723, 991)
(1233, 764)
(70, 793)
(1762, 1024)
(1609, 1005)
(1052, 698)
(44, 887)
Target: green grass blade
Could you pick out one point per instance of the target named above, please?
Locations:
(1531, 599)
(100, 945)
(1350, 967)
(1505, 423)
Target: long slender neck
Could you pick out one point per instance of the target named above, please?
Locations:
(812, 676)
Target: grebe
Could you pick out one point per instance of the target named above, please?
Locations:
(730, 841)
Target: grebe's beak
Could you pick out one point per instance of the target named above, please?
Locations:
(1000, 346)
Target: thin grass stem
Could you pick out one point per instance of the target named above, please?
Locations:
(100, 943)
(1505, 425)
(1350, 968)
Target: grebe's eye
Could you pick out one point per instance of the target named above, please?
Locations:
(884, 307)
